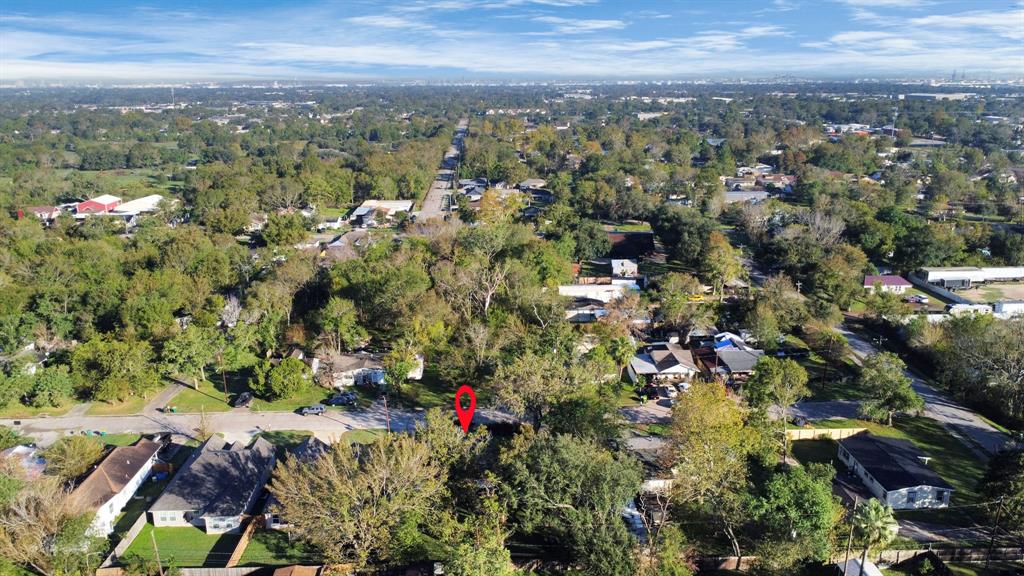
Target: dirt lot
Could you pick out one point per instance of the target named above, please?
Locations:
(994, 292)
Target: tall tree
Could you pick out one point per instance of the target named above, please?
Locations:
(709, 446)
(888, 388)
(782, 382)
(191, 351)
(341, 324)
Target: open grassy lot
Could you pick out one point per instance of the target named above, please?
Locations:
(126, 439)
(19, 410)
(362, 436)
(819, 451)
(209, 397)
(132, 405)
(285, 438)
(184, 547)
(272, 547)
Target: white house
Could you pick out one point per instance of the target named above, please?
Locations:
(603, 292)
(114, 481)
(895, 471)
(663, 362)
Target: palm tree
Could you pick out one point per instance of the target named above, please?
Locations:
(621, 350)
(876, 526)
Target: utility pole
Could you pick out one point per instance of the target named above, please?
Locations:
(223, 378)
(387, 413)
(156, 551)
(995, 529)
(849, 540)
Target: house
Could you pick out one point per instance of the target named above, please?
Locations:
(727, 356)
(886, 283)
(625, 268)
(111, 484)
(144, 205)
(32, 463)
(99, 205)
(359, 369)
(532, 183)
(216, 488)
(45, 213)
(895, 471)
(583, 310)
(602, 292)
(370, 211)
(662, 362)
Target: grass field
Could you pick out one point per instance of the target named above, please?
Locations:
(19, 410)
(184, 547)
(271, 547)
(362, 436)
(133, 405)
(126, 439)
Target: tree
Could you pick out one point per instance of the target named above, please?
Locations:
(110, 370)
(709, 445)
(190, 351)
(284, 380)
(51, 386)
(71, 456)
(340, 323)
(480, 547)
(622, 350)
(284, 229)
(572, 490)
(782, 382)
(591, 240)
(43, 528)
(875, 526)
(888, 388)
(349, 506)
(531, 384)
(398, 363)
(721, 262)
(796, 515)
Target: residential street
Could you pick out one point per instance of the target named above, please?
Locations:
(236, 423)
(433, 204)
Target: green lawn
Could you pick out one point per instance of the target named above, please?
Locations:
(271, 547)
(19, 410)
(207, 398)
(332, 213)
(120, 439)
(313, 395)
(184, 546)
(820, 451)
(363, 436)
(429, 392)
(133, 405)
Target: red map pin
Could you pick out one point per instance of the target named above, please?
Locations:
(465, 414)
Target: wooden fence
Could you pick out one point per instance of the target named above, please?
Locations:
(822, 433)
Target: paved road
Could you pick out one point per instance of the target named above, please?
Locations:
(650, 413)
(236, 423)
(969, 427)
(433, 204)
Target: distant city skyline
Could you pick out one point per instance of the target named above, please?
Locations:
(126, 41)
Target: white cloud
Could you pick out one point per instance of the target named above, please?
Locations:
(1009, 24)
(890, 3)
(579, 26)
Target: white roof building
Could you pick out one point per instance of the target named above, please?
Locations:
(139, 205)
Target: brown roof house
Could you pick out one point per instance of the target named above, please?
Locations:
(114, 481)
(217, 486)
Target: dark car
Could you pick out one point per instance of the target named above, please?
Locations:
(243, 400)
(342, 399)
(315, 409)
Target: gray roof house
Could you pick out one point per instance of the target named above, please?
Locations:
(895, 471)
(663, 361)
(217, 486)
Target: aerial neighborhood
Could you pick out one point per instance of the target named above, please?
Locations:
(708, 328)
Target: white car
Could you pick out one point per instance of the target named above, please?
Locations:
(668, 391)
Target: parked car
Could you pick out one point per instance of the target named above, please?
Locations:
(917, 299)
(315, 409)
(243, 400)
(342, 399)
(668, 391)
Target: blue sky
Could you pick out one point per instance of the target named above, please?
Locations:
(510, 39)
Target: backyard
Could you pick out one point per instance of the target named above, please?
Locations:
(183, 546)
(273, 547)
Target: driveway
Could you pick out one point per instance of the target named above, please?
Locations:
(235, 423)
(650, 413)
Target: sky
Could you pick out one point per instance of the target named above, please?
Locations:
(462, 40)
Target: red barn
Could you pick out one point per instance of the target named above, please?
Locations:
(98, 205)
